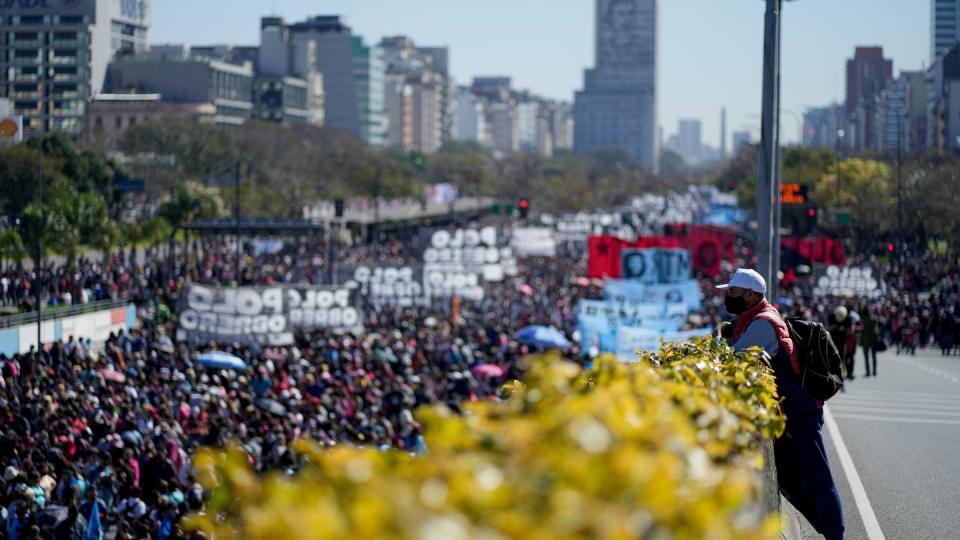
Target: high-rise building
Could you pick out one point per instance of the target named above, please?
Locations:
(369, 73)
(820, 126)
(943, 114)
(328, 40)
(944, 27)
(561, 125)
(867, 75)
(398, 100)
(916, 115)
(618, 104)
(689, 139)
(504, 128)
(471, 123)
(740, 139)
(54, 56)
(892, 114)
(528, 119)
(424, 71)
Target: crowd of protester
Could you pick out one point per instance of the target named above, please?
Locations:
(99, 438)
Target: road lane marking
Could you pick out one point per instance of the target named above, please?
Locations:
(890, 404)
(893, 400)
(867, 515)
(902, 420)
(913, 412)
(856, 391)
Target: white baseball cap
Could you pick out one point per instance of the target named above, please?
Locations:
(747, 279)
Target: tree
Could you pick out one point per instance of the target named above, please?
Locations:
(187, 203)
(76, 218)
(11, 246)
(672, 164)
(864, 188)
(930, 197)
(21, 171)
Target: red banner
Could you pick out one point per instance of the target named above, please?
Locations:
(707, 244)
(819, 250)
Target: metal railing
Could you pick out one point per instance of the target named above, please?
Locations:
(59, 312)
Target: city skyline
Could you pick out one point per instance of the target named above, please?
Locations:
(548, 57)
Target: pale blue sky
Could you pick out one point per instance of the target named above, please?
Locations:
(710, 50)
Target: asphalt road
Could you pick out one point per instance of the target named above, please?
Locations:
(902, 433)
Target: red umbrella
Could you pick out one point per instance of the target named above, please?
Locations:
(488, 370)
(113, 375)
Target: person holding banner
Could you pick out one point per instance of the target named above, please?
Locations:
(803, 472)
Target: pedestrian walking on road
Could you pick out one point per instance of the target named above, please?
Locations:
(869, 339)
(803, 471)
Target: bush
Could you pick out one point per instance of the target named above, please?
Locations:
(667, 447)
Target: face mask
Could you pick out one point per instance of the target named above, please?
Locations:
(736, 305)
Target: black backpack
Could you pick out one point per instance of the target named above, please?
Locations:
(822, 369)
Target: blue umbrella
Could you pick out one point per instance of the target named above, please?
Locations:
(221, 360)
(546, 337)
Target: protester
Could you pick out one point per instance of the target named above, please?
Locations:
(803, 471)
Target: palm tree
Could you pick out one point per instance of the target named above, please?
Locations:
(75, 217)
(11, 246)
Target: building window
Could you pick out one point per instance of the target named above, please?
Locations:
(118, 122)
(25, 53)
(71, 19)
(98, 122)
(132, 121)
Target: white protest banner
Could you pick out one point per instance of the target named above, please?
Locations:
(465, 250)
(267, 315)
(847, 281)
(441, 282)
(387, 285)
(533, 242)
(631, 340)
(655, 265)
(686, 292)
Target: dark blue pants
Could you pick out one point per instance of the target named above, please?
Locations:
(803, 473)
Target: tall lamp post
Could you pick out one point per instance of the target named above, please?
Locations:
(768, 166)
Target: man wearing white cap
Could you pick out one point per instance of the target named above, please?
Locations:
(803, 471)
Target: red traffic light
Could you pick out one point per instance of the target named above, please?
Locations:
(890, 247)
(524, 204)
(812, 212)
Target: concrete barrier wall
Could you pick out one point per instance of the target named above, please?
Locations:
(97, 326)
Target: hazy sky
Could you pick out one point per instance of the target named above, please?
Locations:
(710, 50)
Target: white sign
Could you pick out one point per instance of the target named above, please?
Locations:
(534, 242)
(848, 281)
(465, 251)
(388, 285)
(631, 340)
(443, 283)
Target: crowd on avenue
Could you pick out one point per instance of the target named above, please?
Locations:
(98, 438)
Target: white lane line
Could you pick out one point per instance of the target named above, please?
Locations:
(933, 402)
(902, 420)
(856, 486)
(873, 393)
(911, 413)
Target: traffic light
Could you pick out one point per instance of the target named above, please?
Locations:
(338, 208)
(524, 208)
(890, 247)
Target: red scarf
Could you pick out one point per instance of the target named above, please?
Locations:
(747, 317)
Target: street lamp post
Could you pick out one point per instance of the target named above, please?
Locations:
(900, 240)
(768, 177)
